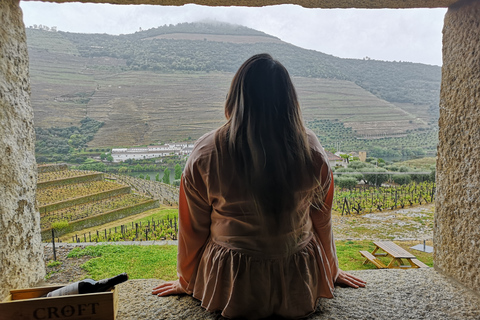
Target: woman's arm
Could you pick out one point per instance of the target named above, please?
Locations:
(321, 215)
(194, 230)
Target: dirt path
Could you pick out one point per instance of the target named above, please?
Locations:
(413, 223)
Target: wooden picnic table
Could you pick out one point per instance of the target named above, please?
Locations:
(395, 252)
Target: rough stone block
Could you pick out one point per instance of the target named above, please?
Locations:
(457, 215)
(21, 255)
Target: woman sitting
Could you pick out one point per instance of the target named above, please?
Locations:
(255, 231)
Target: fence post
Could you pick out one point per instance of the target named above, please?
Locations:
(53, 245)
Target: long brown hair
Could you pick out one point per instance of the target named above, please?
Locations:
(265, 136)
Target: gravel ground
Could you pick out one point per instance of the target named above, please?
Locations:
(68, 271)
(413, 223)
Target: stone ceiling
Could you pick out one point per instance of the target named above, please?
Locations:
(372, 4)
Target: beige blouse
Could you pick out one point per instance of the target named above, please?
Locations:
(227, 260)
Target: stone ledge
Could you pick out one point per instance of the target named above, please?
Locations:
(399, 294)
(368, 4)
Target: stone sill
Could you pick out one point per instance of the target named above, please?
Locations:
(399, 294)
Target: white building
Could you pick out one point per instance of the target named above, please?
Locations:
(122, 154)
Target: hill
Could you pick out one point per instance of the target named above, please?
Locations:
(169, 83)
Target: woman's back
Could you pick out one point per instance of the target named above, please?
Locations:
(235, 223)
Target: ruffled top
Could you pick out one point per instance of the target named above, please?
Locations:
(232, 261)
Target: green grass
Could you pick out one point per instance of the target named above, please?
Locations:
(422, 163)
(159, 262)
(52, 264)
(349, 257)
(139, 262)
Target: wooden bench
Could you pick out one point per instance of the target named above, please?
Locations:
(396, 253)
(419, 263)
(370, 257)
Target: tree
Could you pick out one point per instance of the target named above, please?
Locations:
(157, 177)
(103, 156)
(109, 158)
(166, 176)
(147, 177)
(178, 171)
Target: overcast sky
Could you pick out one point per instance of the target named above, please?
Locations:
(402, 35)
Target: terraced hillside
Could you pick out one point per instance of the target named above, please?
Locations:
(169, 84)
(71, 200)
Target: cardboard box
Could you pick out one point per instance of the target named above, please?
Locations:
(28, 304)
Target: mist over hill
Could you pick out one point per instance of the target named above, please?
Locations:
(169, 84)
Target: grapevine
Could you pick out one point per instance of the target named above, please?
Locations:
(165, 229)
(71, 191)
(57, 175)
(89, 209)
(374, 199)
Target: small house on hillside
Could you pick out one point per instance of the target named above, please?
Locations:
(336, 161)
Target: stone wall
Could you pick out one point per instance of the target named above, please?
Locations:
(165, 193)
(457, 219)
(21, 254)
(44, 168)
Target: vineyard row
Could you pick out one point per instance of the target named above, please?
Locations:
(165, 229)
(369, 200)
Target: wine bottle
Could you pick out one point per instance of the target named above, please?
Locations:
(89, 286)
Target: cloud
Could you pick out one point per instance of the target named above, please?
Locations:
(406, 35)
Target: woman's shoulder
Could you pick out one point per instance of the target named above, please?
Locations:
(319, 155)
(315, 144)
(204, 144)
(202, 152)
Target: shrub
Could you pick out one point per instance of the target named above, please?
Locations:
(401, 179)
(60, 226)
(359, 165)
(345, 182)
